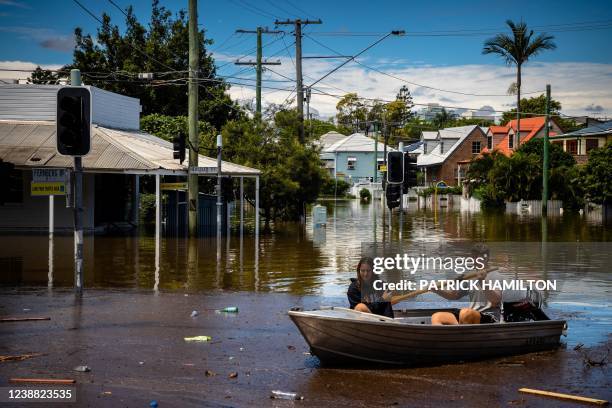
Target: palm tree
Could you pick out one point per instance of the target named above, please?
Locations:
(517, 49)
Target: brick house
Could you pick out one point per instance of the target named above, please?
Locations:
(503, 138)
(444, 156)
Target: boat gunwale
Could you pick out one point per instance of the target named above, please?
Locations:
(386, 321)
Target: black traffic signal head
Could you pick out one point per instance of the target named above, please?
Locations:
(178, 145)
(410, 172)
(395, 167)
(393, 194)
(73, 121)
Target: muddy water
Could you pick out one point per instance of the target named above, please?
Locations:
(319, 261)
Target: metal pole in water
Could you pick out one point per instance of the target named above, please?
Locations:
(75, 80)
(219, 199)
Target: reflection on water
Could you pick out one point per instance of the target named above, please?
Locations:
(295, 259)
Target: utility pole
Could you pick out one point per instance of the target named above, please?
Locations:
(258, 63)
(298, 66)
(193, 117)
(375, 125)
(545, 164)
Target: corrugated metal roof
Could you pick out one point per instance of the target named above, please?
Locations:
(32, 144)
(330, 138)
(357, 142)
(429, 135)
(598, 129)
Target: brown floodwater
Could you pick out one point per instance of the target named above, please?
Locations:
(318, 261)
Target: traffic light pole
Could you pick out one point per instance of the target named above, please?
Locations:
(75, 80)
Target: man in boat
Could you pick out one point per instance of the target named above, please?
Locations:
(361, 293)
(485, 305)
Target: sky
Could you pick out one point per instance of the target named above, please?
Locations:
(439, 58)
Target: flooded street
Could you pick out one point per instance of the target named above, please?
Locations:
(129, 326)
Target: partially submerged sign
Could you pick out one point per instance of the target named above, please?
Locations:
(49, 182)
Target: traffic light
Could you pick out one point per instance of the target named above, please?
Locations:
(73, 121)
(410, 172)
(393, 195)
(5, 180)
(178, 145)
(395, 167)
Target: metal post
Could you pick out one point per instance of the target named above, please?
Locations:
(219, 198)
(257, 207)
(241, 205)
(193, 116)
(157, 207)
(545, 163)
(375, 153)
(51, 216)
(75, 80)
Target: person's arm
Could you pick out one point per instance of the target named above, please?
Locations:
(354, 296)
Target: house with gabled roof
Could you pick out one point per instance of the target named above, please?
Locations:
(503, 138)
(443, 157)
(580, 142)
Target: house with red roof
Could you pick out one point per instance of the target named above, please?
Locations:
(503, 138)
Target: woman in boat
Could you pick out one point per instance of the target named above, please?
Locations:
(361, 293)
(485, 305)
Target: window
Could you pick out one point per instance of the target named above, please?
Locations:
(591, 144)
(571, 146)
(350, 164)
(476, 147)
(511, 141)
(490, 142)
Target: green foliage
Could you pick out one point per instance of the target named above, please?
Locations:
(495, 178)
(597, 175)
(166, 127)
(336, 187)
(537, 105)
(365, 195)
(291, 172)
(147, 208)
(43, 77)
(110, 61)
(441, 191)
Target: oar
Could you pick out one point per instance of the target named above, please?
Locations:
(414, 293)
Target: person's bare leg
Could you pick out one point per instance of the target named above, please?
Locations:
(443, 318)
(362, 308)
(469, 316)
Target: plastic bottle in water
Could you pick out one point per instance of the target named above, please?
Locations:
(230, 309)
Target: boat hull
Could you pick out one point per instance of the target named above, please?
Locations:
(353, 337)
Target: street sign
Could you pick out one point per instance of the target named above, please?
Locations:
(49, 175)
(203, 170)
(47, 188)
(49, 182)
(173, 186)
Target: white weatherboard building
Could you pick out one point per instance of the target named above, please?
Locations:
(120, 155)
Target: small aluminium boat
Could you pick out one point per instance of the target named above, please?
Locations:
(339, 335)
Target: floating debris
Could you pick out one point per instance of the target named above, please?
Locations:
(230, 309)
(286, 395)
(199, 338)
(209, 373)
(82, 369)
(19, 357)
(194, 313)
(233, 375)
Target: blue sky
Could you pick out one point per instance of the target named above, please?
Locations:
(40, 32)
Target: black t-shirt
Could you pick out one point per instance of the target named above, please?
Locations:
(378, 306)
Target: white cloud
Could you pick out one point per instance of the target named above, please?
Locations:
(23, 69)
(576, 85)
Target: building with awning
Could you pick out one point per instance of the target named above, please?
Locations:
(120, 156)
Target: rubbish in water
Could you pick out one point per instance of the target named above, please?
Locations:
(231, 358)
(82, 369)
(230, 309)
(241, 348)
(291, 347)
(307, 353)
(579, 346)
(106, 393)
(19, 357)
(42, 380)
(567, 397)
(286, 395)
(209, 373)
(199, 338)
(141, 362)
(22, 319)
(233, 375)
(194, 313)
(153, 404)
